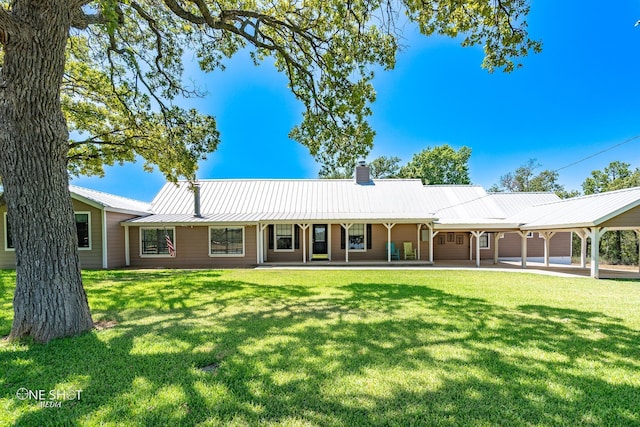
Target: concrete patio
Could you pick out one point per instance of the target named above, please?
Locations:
(562, 270)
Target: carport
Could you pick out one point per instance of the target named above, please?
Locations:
(588, 216)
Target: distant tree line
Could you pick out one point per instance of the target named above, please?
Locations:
(444, 165)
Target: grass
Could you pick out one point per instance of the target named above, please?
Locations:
(336, 348)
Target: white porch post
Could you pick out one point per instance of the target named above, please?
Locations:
(261, 242)
(127, 253)
(431, 236)
(595, 235)
(638, 235)
(547, 235)
(419, 226)
(477, 235)
(523, 248)
(496, 239)
(258, 243)
(389, 227)
(346, 241)
(304, 228)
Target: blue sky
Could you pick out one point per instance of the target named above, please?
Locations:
(579, 96)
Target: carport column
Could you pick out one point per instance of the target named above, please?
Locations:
(496, 239)
(595, 234)
(523, 248)
(346, 241)
(389, 227)
(547, 235)
(477, 235)
(432, 234)
(304, 228)
(583, 234)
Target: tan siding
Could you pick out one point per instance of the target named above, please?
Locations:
(88, 258)
(630, 218)
(192, 250)
(509, 246)
(115, 239)
(561, 244)
(399, 234)
(287, 256)
(91, 258)
(450, 249)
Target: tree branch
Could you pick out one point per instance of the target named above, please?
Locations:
(81, 20)
(8, 26)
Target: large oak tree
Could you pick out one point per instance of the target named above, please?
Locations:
(111, 70)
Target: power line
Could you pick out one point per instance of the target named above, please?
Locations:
(598, 153)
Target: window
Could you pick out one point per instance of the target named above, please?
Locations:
(83, 230)
(284, 237)
(484, 241)
(8, 238)
(360, 236)
(459, 239)
(357, 237)
(226, 241)
(450, 237)
(153, 241)
(441, 239)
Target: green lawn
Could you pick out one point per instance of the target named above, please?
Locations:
(343, 348)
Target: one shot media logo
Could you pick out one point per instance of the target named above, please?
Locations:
(49, 398)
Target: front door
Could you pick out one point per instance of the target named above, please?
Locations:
(320, 241)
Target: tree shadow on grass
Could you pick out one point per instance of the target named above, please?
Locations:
(379, 354)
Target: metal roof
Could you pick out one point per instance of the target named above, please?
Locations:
(462, 201)
(291, 200)
(287, 200)
(578, 212)
(110, 202)
(512, 203)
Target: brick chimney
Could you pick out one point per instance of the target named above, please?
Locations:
(363, 174)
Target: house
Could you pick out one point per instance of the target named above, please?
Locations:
(98, 216)
(242, 223)
(248, 222)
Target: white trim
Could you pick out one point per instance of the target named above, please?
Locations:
(175, 247)
(227, 255)
(90, 247)
(364, 237)
(275, 238)
(6, 236)
(127, 248)
(105, 257)
(484, 248)
(89, 236)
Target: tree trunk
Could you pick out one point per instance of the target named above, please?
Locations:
(49, 300)
(617, 252)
